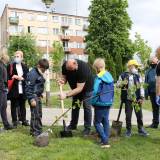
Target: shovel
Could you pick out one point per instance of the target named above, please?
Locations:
(65, 132)
(117, 125)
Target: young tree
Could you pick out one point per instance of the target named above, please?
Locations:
(57, 56)
(109, 27)
(27, 44)
(142, 48)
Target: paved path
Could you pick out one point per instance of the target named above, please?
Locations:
(49, 115)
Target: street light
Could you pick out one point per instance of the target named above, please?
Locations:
(48, 4)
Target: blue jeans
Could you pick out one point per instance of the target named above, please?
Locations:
(101, 122)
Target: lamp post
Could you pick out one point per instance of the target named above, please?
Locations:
(48, 4)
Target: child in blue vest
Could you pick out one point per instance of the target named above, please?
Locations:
(103, 93)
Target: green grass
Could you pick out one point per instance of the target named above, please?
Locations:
(18, 145)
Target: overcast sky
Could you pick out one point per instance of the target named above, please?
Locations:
(145, 14)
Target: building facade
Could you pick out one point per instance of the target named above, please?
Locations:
(69, 29)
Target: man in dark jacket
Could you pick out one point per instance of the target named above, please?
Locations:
(34, 89)
(3, 91)
(150, 79)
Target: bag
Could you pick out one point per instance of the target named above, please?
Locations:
(104, 95)
(11, 81)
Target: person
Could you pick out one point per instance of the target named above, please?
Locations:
(150, 80)
(4, 59)
(102, 103)
(18, 71)
(158, 77)
(34, 90)
(79, 76)
(133, 96)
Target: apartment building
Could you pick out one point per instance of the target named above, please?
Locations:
(69, 29)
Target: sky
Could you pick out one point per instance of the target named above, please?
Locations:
(145, 14)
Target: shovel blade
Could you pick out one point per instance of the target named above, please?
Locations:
(116, 128)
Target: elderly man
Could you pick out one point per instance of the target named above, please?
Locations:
(150, 79)
(79, 76)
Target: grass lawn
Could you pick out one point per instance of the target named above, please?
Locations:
(17, 145)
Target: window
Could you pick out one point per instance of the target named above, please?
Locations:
(31, 29)
(70, 32)
(42, 30)
(85, 22)
(64, 20)
(13, 29)
(55, 31)
(16, 14)
(42, 18)
(55, 18)
(78, 33)
(70, 21)
(31, 17)
(78, 21)
(42, 43)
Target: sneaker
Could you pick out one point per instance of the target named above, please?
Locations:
(142, 132)
(70, 127)
(128, 133)
(86, 132)
(25, 123)
(105, 145)
(155, 126)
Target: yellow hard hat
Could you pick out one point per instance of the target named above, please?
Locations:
(132, 62)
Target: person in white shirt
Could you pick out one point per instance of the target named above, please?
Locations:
(18, 71)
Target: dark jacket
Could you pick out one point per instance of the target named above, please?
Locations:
(3, 77)
(34, 84)
(124, 89)
(14, 92)
(150, 79)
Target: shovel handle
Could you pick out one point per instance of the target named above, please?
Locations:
(62, 102)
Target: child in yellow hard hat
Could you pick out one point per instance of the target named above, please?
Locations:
(132, 97)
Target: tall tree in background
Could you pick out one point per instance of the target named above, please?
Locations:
(27, 44)
(118, 62)
(57, 56)
(108, 31)
(142, 48)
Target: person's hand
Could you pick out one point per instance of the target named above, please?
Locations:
(33, 103)
(140, 101)
(15, 77)
(62, 96)
(60, 81)
(20, 78)
(158, 100)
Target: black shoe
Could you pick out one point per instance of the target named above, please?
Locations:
(105, 145)
(25, 123)
(9, 127)
(155, 126)
(15, 124)
(86, 132)
(70, 127)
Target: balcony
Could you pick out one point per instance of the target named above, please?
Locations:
(67, 50)
(14, 20)
(65, 25)
(65, 38)
(85, 27)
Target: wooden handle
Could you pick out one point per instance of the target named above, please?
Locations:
(62, 102)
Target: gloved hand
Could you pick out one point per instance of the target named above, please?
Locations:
(158, 100)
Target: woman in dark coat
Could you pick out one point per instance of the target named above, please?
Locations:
(18, 71)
